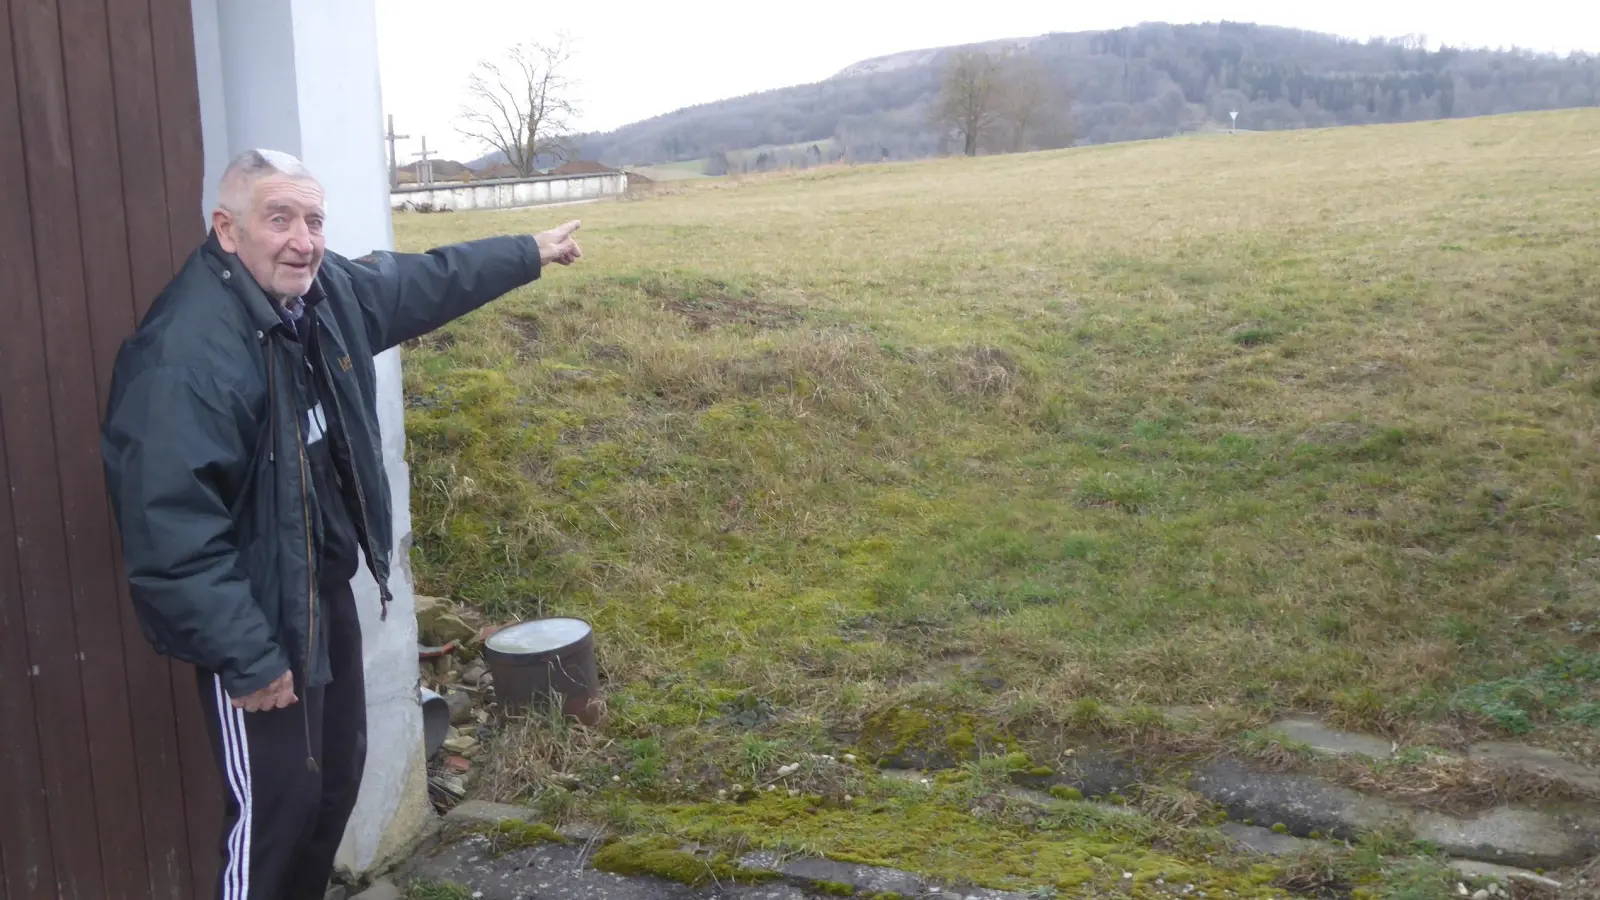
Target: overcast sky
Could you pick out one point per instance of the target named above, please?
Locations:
(634, 60)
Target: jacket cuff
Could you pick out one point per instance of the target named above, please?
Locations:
(243, 684)
(531, 258)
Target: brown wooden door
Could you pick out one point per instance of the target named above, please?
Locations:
(107, 787)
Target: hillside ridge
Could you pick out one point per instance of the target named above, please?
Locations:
(1145, 81)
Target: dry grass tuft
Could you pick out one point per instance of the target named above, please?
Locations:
(527, 756)
(1455, 785)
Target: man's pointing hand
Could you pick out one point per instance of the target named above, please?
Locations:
(557, 245)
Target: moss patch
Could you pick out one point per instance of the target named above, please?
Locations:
(427, 889)
(510, 835)
(666, 857)
(927, 734)
(1074, 845)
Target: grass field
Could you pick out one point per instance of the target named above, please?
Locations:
(684, 171)
(986, 454)
(690, 169)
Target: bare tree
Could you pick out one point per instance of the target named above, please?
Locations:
(969, 96)
(522, 106)
(1031, 102)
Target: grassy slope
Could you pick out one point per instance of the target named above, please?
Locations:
(679, 171)
(1271, 421)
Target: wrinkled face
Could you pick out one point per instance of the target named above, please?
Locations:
(280, 239)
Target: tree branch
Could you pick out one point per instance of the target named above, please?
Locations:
(524, 108)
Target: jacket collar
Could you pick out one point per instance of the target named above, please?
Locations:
(262, 310)
(228, 267)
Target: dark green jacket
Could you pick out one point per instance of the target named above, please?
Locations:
(204, 453)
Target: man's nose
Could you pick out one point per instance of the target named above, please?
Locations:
(300, 239)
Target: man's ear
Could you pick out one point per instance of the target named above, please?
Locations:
(224, 225)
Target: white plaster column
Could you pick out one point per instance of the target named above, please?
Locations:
(302, 76)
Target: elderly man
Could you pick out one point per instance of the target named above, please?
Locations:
(243, 458)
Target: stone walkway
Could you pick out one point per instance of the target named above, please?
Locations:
(549, 871)
(1505, 843)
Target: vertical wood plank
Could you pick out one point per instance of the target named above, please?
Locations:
(91, 330)
(149, 247)
(25, 826)
(25, 855)
(144, 177)
(202, 783)
(177, 85)
(30, 395)
(183, 158)
(29, 865)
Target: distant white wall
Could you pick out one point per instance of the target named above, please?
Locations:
(302, 76)
(460, 197)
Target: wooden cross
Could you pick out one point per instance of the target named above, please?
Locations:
(425, 171)
(394, 163)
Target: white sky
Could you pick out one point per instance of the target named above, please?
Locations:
(634, 60)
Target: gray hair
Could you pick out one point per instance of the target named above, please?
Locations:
(244, 170)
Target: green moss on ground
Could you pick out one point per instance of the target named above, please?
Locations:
(428, 889)
(509, 834)
(1074, 846)
(665, 857)
(929, 733)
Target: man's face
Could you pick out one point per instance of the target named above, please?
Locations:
(280, 239)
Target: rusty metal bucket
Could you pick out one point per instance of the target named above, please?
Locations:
(543, 662)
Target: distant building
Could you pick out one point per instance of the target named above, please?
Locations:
(498, 170)
(443, 170)
(583, 167)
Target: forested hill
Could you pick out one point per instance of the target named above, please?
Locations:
(1148, 81)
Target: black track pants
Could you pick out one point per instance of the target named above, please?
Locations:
(283, 821)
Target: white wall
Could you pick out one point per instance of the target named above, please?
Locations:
(460, 197)
(302, 76)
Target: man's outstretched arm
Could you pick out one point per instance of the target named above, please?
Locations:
(407, 295)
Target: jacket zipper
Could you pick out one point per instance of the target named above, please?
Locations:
(272, 404)
(311, 554)
(355, 476)
(305, 511)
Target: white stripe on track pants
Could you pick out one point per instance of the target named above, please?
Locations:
(282, 820)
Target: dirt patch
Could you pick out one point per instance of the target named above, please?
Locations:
(705, 313)
(437, 341)
(1585, 885)
(977, 371)
(709, 302)
(1368, 372)
(609, 353)
(526, 327)
(1332, 434)
(755, 376)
